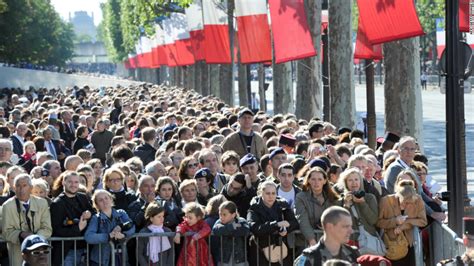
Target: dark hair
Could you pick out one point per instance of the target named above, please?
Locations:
(230, 206)
(80, 130)
(152, 210)
(122, 153)
(327, 188)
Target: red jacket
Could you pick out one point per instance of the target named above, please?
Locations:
(203, 229)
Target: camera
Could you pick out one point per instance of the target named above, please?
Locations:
(444, 196)
(69, 222)
(126, 226)
(359, 194)
(44, 172)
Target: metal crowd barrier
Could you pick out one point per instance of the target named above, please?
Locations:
(444, 243)
(175, 250)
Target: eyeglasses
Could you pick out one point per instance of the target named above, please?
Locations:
(5, 149)
(410, 149)
(192, 165)
(40, 252)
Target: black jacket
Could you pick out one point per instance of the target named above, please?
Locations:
(136, 212)
(263, 220)
(61, 212)
(123, 199)
(145, 152)
(242, 200)
(174, 216)
(79, 143)
(318, 254)
(17, 146)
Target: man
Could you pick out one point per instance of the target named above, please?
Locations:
(26, 214)
(70, 213)
(145, 151)
(246, 140)
(72, 162)
(287, 142)
(176, 157)
(53, 171)
(155, 169)
(316, 130)
(208, 159)
(52, 123)
(387, 144)
(240, 191)
(6, 150)
(18, 138)
(286, 189)
(406, 153)
(11, 173)
(249, 166)
(101, 139)
(67, 129)
(35, 250)
(337, 227)
(185, 133)
(54, 147)
(146, 194)
(277, 158)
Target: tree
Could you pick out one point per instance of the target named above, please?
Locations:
(33, 32)
(308, 86)
(341, 63)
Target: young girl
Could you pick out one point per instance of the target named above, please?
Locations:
(28, 158)
(155, 250)
(193, 222)
(230, 162)
(232, 229)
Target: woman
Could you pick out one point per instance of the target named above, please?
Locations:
(271, 219)
(188, 168)
(114, 181)
(81, 141)
(363, 206)
(188, 191)
(317, 195)
(108, 224)
(398, 213)
(96, 165)
(167, 196)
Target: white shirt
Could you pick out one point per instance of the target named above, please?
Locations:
(289, 196)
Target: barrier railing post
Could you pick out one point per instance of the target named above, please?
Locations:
(112, 251)
(418, 246)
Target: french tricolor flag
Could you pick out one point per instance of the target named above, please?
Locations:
(363, 48)
(160, 48)
(196, 29)
(169, 46)
(216, 32)
(182, 39)
(253, 31)
(144, 48)
(157, 41)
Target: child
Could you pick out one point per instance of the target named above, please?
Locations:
(193, 223)
(231, 229)
(155, 250)
(28, 158)
(230, 162)
(40, 189)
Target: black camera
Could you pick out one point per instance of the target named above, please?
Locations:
(126, 226)
(44, 172)
(444, 196)
(359, 194)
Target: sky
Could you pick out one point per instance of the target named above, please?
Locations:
(63, 7)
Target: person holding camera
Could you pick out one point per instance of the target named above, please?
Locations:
(70, 213)
(108, 224)
(363, 206)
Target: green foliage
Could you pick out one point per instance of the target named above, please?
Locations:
(32, 31)
(428, 12)
(126, 20)
(3, 6)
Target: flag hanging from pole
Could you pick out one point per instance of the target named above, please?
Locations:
(291, 35)
(363, 48)
(253, 31)
(169, 43)
(196, 29)
(386, 21)
(216, 32)
(182, 40)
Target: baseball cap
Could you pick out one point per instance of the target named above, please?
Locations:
(33, 242)
(245, 111)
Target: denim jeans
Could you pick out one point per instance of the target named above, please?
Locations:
(75, 256)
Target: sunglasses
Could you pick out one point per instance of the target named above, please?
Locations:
(40, 252)
(192, 165)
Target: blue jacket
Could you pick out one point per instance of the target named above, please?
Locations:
(97, 233)
(231, 240)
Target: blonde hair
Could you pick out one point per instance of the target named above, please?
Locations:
(110, 171)
(264, 185)
(28, 143)
(405, 190)
(342, 182)
(41, 184)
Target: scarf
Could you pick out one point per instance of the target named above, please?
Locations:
(157, 244)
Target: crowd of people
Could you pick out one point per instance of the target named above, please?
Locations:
(201, 182)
